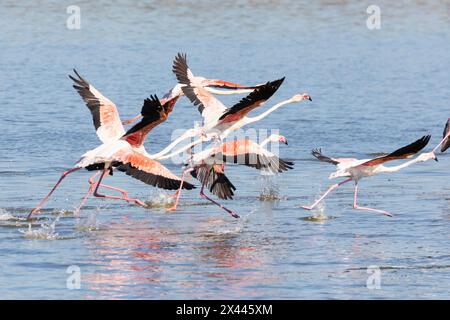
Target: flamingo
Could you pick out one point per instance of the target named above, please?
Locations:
(127, 154)
(107, 120)
(445, 142)
(208, 166)
(219, 120)
(209, 85)
(106, 116)
(356, 169)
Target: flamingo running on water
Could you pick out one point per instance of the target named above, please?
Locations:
(208, 166)
(127, 154)
(356, 169)
(107, 120)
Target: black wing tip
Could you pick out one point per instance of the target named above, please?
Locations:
(422, 142)
(412, 148)
(317, 151)
(285, 165)
(151, 105)
(277, 83)
(180, 68)
(81, 82)
(188, 186)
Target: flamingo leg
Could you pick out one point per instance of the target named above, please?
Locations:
(125, 122)
(446, 136)
(234, 215)
(96, 194)
(51, 191)
(334, 186)
(91, 188)
(178, 193)
(355, 206)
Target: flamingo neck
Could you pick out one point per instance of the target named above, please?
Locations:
(267, 112)
(161, 155)
(265, 141)
(383, 169)
(247, 120)
(178, 151)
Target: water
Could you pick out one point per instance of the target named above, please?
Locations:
(373, 91)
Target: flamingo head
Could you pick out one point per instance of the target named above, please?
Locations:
(301, 96)
(427, 156)
(278, 138)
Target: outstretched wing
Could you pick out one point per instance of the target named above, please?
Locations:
(104, 112)
(217, 182)
(251, 154)
(149, 171)
(402, 153)
(318, 154)
(153, 113)
(255, 99)
(209, 107)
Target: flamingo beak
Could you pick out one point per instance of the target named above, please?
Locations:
(309, 98)
(436, 159)
(284, 140)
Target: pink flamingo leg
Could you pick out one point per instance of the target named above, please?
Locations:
(355, 206)
(234, 215)
(334, 186)
(91, 188)
(446, 136)
(51, 191)
(178, 193)
(96, 194)
(131, 120)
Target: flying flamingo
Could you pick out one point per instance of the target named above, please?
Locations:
(445, 142)
(208, 166)
(128, 155)
(209, 85)
(219, 120)
(356, 169)
(106, 116)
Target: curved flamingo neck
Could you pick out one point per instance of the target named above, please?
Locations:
(179, 150)
(267, 112)
(162, 154)
(383, 169)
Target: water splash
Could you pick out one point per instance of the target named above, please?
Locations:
(46, 231)
(90, 223)
(5, 215)
(160, 200)
(270, 190)
(318, 213)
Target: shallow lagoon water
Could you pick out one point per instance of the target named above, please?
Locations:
(373, 91)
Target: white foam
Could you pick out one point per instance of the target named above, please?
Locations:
(4, 215)
(44, 232)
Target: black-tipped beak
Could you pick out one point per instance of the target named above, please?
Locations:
(285, 142)
(309, 98)
(436, 159)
